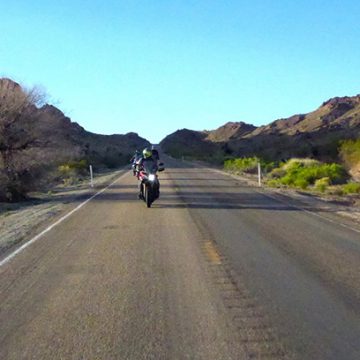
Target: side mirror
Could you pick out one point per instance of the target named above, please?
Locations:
(161, 167)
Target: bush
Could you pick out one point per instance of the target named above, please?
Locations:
(338, 190)
(267, 166)
(295, 162)
(277, 173)
(304, 172)
(72, 171)
(322, 184)
(249, 165)
(80, 165)
(273, 183)
(242, 164)
(350, 152)
(351, 188)
(301, 183)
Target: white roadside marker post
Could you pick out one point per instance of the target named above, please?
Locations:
(259, 174)
(91, 176)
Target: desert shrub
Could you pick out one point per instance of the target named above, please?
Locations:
(73, 171)
(79, 165)
(337, 190)
(277, 173)
(249, 165)
(305, 172)
(242, 164)
(349, 152)
(268, 166)
(351, 188)
(273, 183)
(295, 162)
(322, 184)
(301, 183)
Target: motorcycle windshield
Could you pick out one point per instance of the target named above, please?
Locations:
(150, 167)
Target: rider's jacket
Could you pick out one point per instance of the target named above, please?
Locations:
(155, 154)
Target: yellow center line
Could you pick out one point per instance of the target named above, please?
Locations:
(212, 253)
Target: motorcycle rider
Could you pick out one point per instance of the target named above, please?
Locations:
(134, 160)
(147, 161)
(155, 153)
(136, 156)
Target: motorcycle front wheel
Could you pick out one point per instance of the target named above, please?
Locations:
(147, 197)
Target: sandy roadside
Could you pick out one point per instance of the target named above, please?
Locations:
(19, 222)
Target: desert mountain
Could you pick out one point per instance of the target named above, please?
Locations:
(315, 134)
(229, 131)
(40, 146)
(187, 143)
(69, 139)
(60, 140)
(337, 113)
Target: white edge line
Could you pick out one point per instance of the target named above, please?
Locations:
(38, 236)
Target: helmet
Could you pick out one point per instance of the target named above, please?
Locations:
(147, 153)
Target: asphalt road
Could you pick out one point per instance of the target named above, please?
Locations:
(214, 270)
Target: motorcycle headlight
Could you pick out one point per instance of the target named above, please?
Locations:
(152, 177)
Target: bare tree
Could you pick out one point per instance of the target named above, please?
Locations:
(17, 114)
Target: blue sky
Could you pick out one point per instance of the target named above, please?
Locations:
(155, 66)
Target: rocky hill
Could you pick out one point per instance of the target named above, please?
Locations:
(230, 131)
(67, 139)
(35, 140)
(315, 134)
(186, 143)
(60, 139)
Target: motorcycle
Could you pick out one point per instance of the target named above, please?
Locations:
(134, 169)
(150, 185)
(134, 164)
